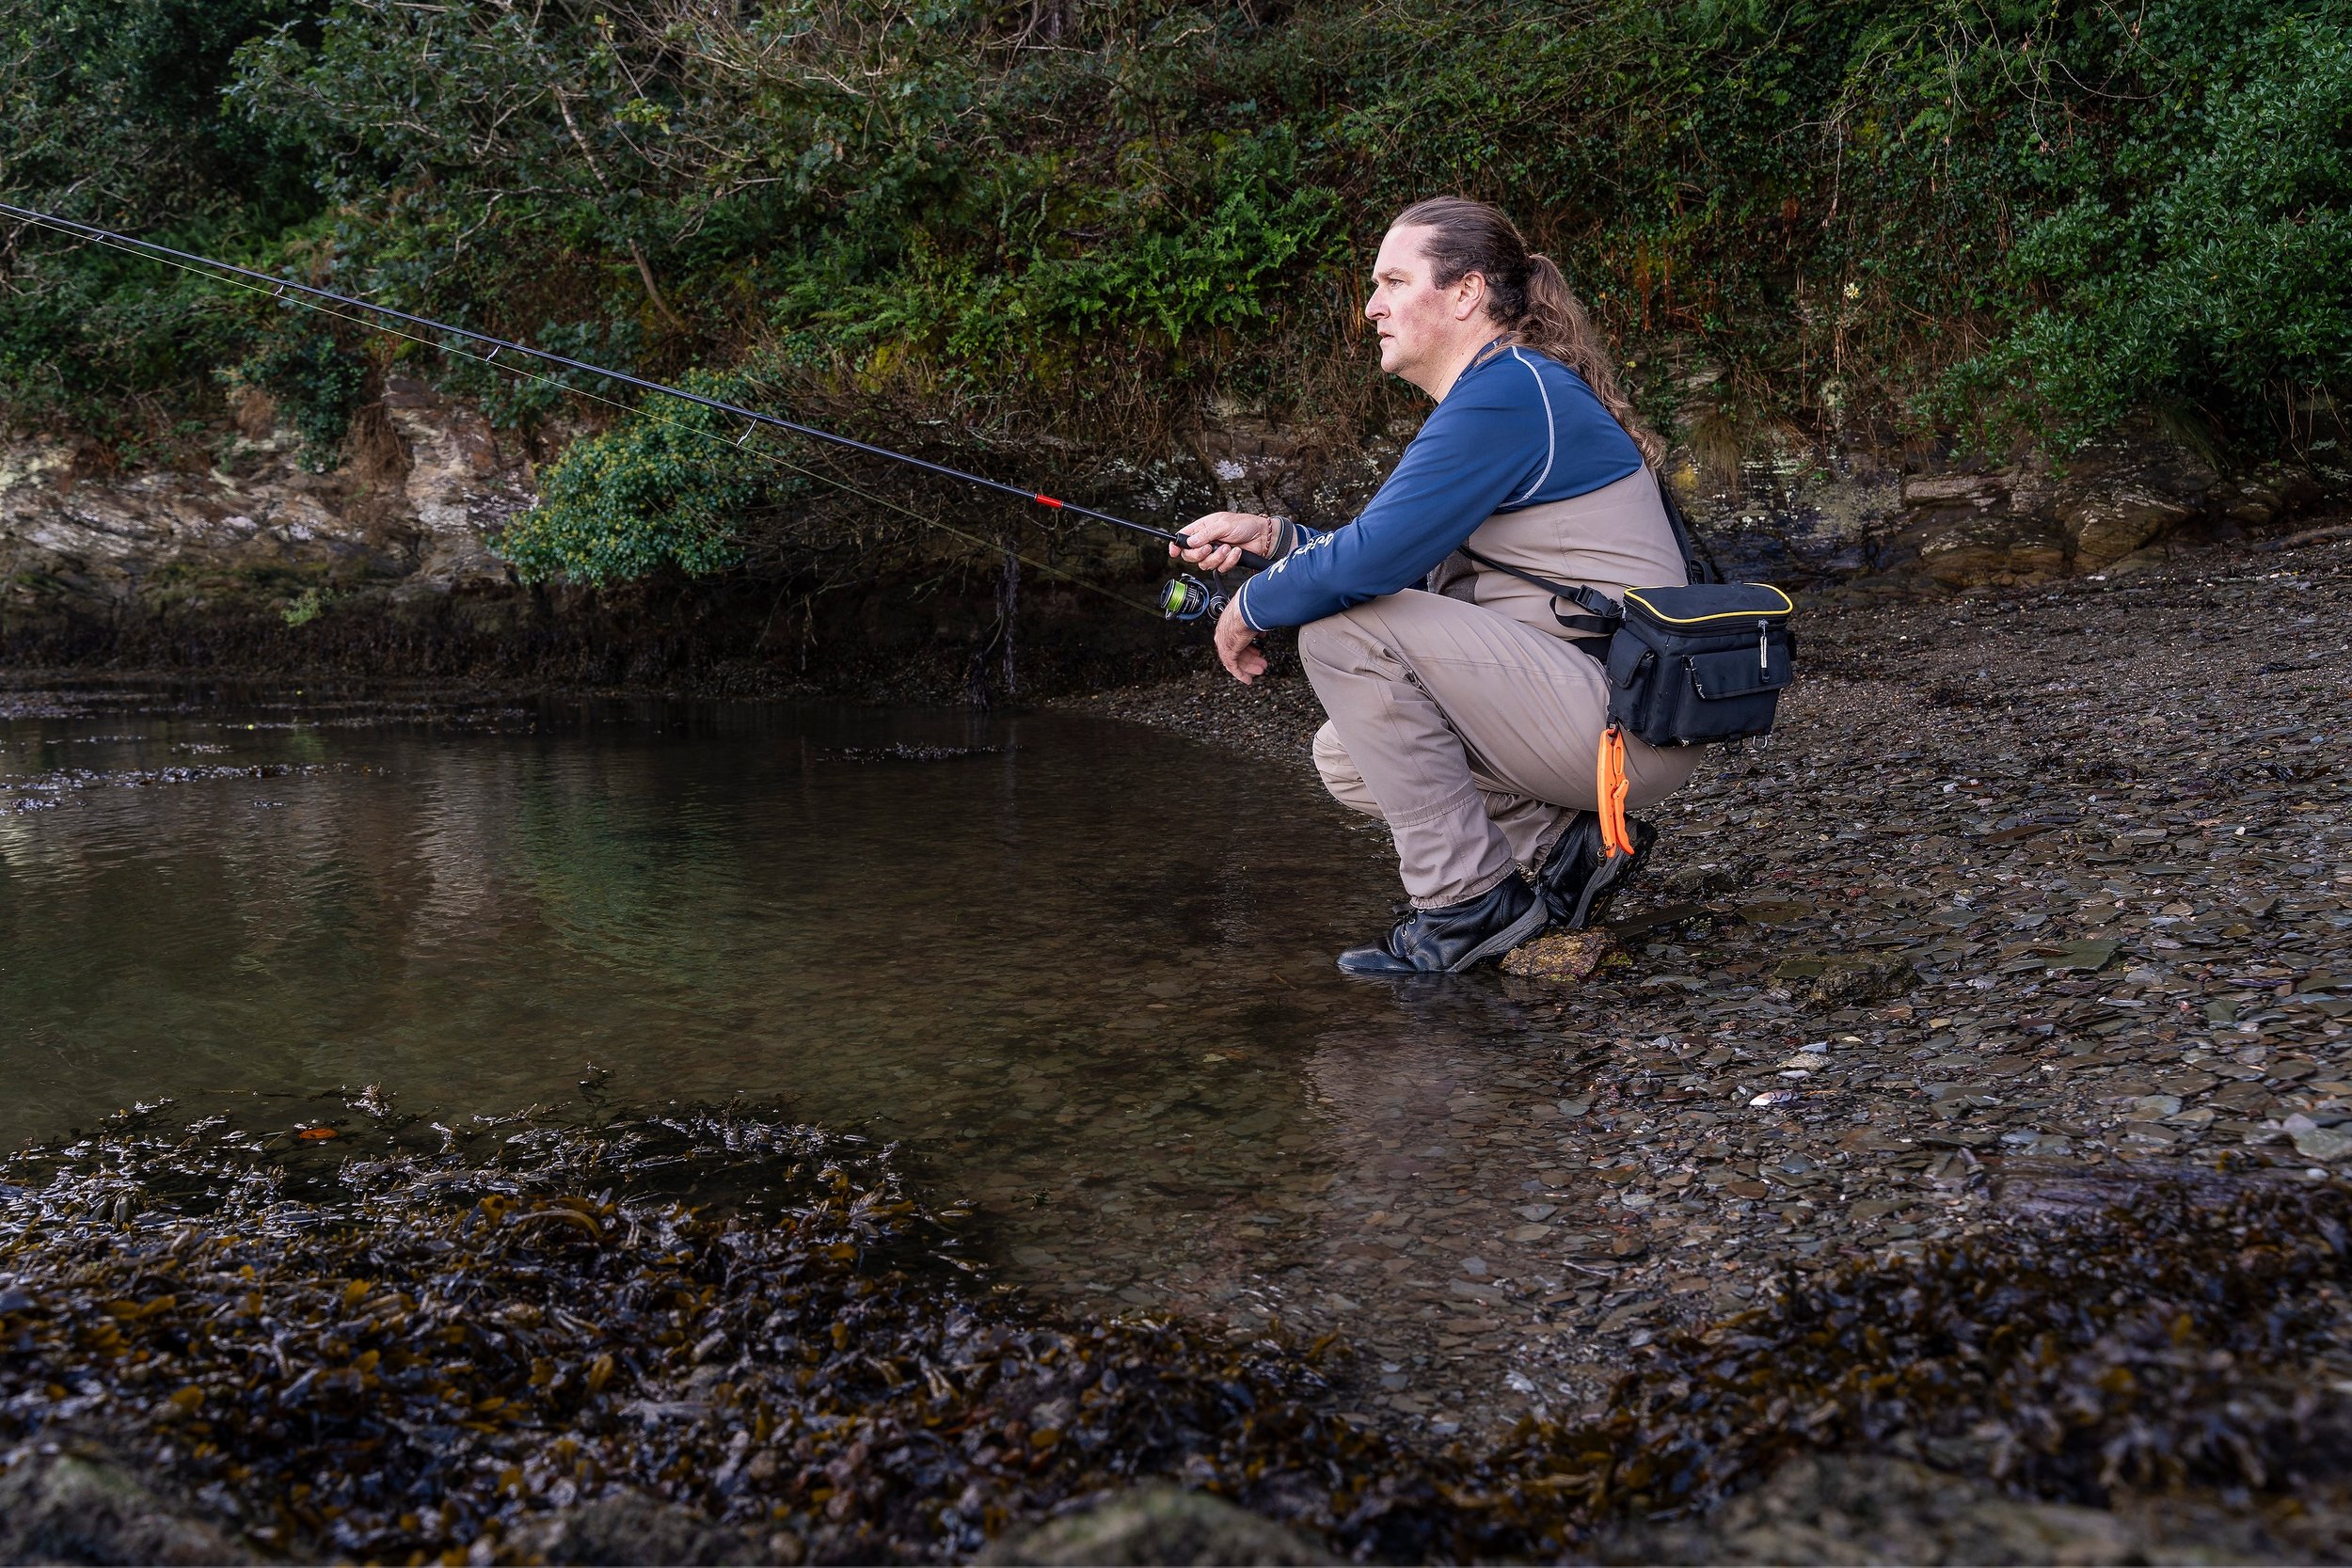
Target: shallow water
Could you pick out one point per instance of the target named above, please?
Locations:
(1083, 968)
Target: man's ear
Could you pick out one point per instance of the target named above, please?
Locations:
(1470, 295)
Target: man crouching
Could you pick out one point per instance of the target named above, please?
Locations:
(1469, 715)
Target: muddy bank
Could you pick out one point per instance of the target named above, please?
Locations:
(719, 1336)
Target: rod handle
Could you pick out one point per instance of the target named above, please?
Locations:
(1251, 559)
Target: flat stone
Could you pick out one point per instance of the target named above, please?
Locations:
(2323, 1143)
(1157, 1525)
(1565, 958)
(86, 1508)
(1859, 982)
(1953, 489)
(1865, 1508)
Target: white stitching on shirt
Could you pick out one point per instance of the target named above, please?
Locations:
(1551, 434)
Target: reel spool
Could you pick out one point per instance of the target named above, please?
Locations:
(1187, 598)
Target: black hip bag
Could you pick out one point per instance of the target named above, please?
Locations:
(1690, 666)
(1687, 666)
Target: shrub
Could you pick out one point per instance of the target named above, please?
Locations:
(664, 490)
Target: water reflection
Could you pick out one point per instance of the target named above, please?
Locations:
(1084, 969)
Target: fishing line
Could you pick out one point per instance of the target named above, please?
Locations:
(190, 262)
(490, 360)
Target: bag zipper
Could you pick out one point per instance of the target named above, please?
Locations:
(1633, 595)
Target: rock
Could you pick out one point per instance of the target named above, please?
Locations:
(1861, 1510)
(2046, 1190)
(2314, 1142)
(87, 1508)
(1255, 461)
(2255, 500)
(1995, 548)
(1565, 958)
(2084, 957)
(634, 1527)
(425, 487)
(1857, 983)
(1158, 1524)
(405, 521)
(1964, 493)
(2116, 508)
(1708, 880)
(2108, 524)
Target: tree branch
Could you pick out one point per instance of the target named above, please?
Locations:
(636, 252)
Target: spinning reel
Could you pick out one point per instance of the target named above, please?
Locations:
(1187, 598)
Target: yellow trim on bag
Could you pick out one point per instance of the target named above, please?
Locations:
(1788, 605)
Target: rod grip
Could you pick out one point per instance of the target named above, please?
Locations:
(1251, 559)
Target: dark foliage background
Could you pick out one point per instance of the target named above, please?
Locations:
(1062, 236)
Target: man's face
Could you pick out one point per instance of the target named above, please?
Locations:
(1418, 322)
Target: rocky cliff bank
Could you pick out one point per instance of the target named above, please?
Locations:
(183, 567)
(387, 563)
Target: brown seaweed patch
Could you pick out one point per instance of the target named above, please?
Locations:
(367, 1349)
(429, 1352)
(2128, 1334)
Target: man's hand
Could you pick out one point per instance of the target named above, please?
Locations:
(1217, 539)
(1237, 646)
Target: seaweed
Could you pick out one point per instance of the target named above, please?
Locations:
(413, 1351)
(375, 1347)
(2146, 1332)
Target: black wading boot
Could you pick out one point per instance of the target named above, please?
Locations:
(1452, 937)
(1578, 877)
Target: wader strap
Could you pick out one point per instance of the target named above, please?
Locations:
(1698, 564)
(1601, 612)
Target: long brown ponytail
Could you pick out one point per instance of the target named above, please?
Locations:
(1526, 296)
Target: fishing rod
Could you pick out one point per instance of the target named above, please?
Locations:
(1184, 599)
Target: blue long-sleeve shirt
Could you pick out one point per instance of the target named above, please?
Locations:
(1518, 431)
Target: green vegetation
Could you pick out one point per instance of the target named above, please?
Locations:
(1057, 236)
(306, 606)
(654, 492)
(2220, 279)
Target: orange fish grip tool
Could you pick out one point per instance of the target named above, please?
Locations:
(1611, 787)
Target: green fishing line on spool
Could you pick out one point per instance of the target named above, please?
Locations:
(1187, 598)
